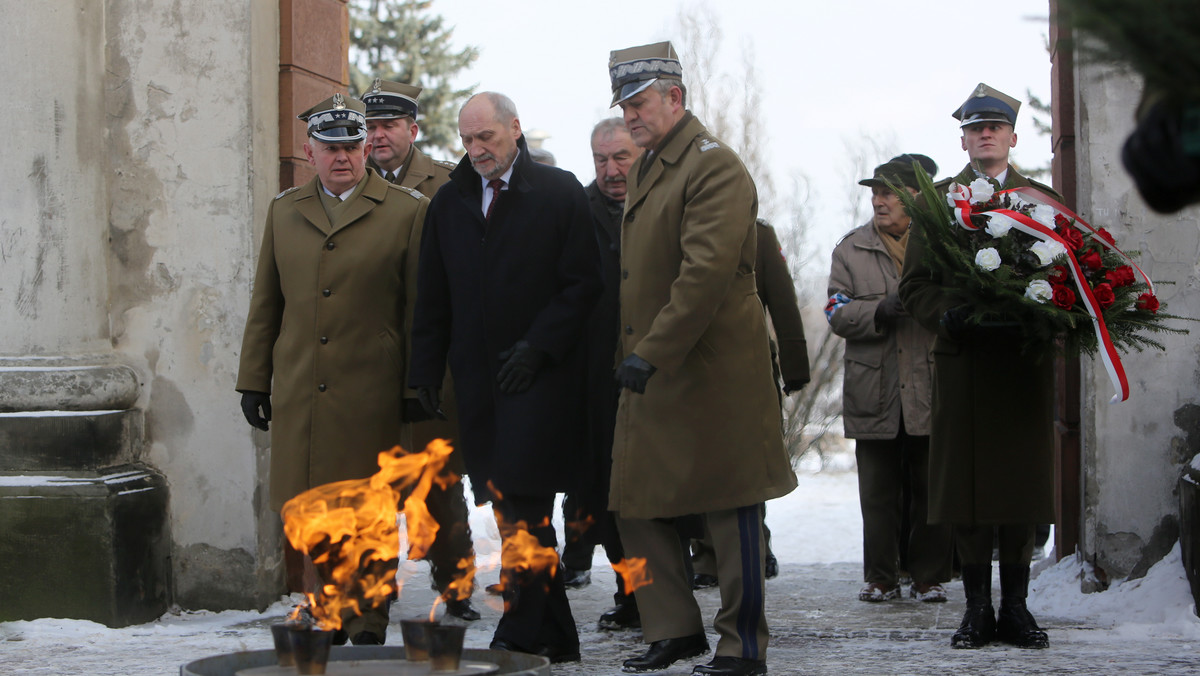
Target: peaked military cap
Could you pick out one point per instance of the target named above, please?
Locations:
(899, 171)
(987, 105)
(337, 119)
(636, 68)
(390, 100)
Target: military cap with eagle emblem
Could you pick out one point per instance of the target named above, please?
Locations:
(337, 119)
(634, 69)
(390, 100)
(987, 105)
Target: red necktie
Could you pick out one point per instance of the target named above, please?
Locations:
(495, 184)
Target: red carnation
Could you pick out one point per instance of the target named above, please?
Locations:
(1147, 301)
(1058, 275)
(1062, 221)
(1072, 237)
(1064, 297)
(1122, 276)
(1103, 234)
(1091, 259)
(1104, 295)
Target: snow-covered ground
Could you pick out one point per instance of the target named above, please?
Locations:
(817, 537)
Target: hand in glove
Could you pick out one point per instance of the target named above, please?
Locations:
(521, 364)
(431, 401)
(633, 373)
(252, 403)
(888, 310)
(955, 322)
(413, 411)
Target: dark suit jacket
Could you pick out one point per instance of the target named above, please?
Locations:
(532, 273)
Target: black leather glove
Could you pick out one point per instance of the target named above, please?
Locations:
(521, 364)
(252, 403)
(955, 322)
(431, 401)
(888, 310)
(633, 373)
(1166, 175)
(792, 386)
(413, 411)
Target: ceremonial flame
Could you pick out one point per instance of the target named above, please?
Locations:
(634, 572)
(349, 530)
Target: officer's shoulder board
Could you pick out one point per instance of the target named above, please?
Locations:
(445, 165)
(415, 193)
(288, 191)
(706, 143)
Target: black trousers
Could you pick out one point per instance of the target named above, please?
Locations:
(1015, 542)
(536, 611)
(452, 543)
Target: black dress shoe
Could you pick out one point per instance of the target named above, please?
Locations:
(556, 654)
(576, 579)
(725, 665)
(366, 638)
(340, 637)
(463, 609)
(621, 616)
(703, 581)
(666, 652)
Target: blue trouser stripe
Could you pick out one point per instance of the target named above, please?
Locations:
(751, 609)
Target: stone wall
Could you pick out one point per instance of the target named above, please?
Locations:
(1134, 452)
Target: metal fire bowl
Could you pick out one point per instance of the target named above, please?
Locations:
(368, 661)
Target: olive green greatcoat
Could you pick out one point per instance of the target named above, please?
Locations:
(421, 172)
(326, 330)
(991, 447)
(706, 435)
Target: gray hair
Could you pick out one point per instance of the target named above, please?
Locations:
(607, 126)
(505, 110)
(663, 86)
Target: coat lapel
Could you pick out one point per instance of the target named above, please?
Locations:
(308, 205)
(369, 196)
(669, 155)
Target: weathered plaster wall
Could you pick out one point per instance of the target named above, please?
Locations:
(1134, 451)
(52, 224)
(190, 108)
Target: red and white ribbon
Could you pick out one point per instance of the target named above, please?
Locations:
(961, 195)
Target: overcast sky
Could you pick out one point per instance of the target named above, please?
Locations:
(830, 74)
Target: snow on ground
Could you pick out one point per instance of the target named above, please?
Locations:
(817, 538)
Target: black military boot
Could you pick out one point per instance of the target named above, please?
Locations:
(1016, 625)
(979, 622)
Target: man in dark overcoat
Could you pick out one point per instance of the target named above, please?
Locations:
(326, 332)
(508, 277)
(698, 422)
(991, 443)
(589, 522)
(392, 109)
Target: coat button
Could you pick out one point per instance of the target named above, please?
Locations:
(628, 330)
(330, 245)
(624, 274)
(326, 293)
(321, 387)
(324, 340)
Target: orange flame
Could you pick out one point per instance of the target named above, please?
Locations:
(634, 572)
(349, 530)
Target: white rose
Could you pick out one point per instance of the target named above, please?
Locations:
(981, 191)
(998, 227)
(1044, 214)
(988, 259)
(1039, 290)
(1048, 251)
(1015, 201)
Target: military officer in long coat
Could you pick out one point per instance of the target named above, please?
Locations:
(991, 442)
(698, 423)
(323, 354)
(509, 275)
(392, 109)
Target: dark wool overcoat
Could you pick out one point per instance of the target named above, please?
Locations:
(991, 443)
(530, 273)
(706, 435)
(325, 335)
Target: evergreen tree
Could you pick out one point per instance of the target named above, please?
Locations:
(400, 40)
